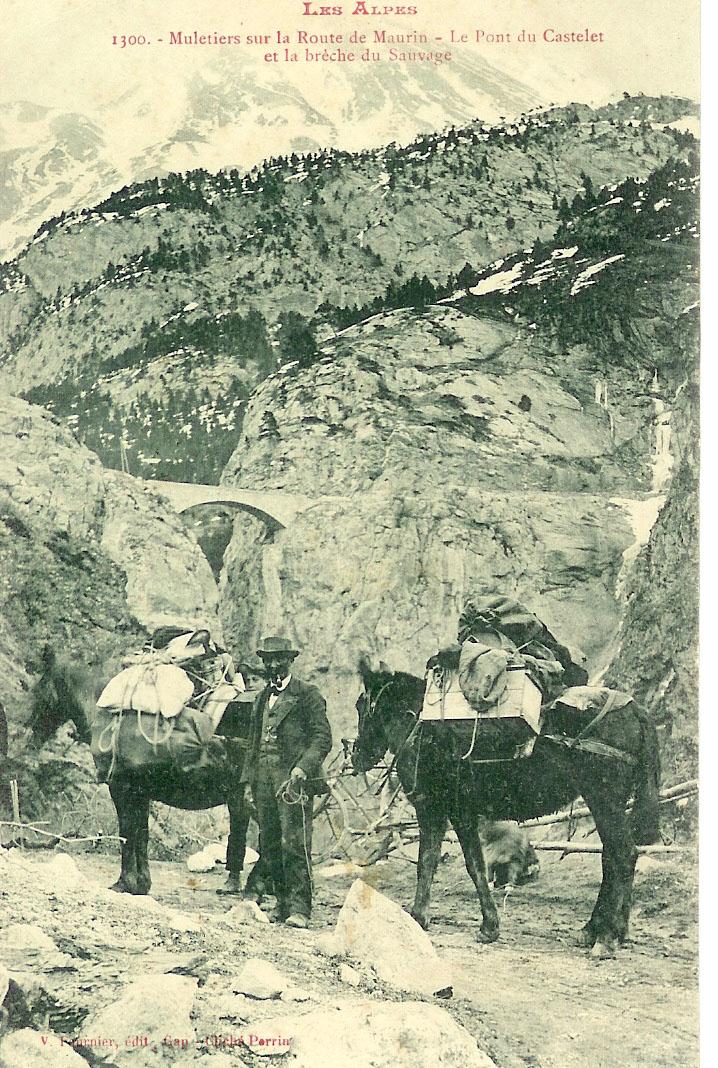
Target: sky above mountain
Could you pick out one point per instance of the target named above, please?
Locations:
(64, 57)
(81, 115)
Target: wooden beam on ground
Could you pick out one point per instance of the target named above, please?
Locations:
(586, 847)
(673, 793)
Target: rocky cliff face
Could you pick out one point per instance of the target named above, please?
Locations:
(656, 652)
(445, 452)
(48, 477)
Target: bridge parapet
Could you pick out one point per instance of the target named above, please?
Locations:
(277, 510)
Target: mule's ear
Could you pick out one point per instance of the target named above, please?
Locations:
(364, 668)
(384, 668)
(201, 637)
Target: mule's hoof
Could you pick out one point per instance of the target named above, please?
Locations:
(422, 920)
(487, 935)
(121, 887)
(585, 937)
(603, 951)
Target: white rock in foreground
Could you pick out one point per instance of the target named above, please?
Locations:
(64, 873)
(244, 912)
(26, 1049)
(296, 993)
(208, 858)
(155, 1006)
(336, 871)
(380, 1034)
(260, 979)
(214, 853)
(178, 921)
(27, 936)
(375, 931)
(350, 975)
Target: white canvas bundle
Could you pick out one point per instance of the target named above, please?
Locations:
(158, 688)
(216, 702)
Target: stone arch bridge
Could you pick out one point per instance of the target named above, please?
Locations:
(277, 510)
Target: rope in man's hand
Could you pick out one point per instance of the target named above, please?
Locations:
(292, 792)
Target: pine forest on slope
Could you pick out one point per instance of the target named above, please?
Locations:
(152, 317)
(224, 111)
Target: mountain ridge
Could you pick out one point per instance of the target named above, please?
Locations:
(228, 113)
(193, 287)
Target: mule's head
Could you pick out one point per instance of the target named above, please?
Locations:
(371, 742)
(59, 695)
(387, 699)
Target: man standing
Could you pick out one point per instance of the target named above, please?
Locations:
(290, 739)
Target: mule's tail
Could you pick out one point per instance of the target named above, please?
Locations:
(646, 829)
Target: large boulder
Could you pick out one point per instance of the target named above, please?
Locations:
(27, 937)
(259, 979)
(375, 931)
(155, 1009)
(380, 1034)
(33, 1049)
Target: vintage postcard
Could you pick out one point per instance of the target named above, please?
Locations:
(348, 533)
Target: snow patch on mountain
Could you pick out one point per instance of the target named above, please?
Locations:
(228, 113)
(585, 277)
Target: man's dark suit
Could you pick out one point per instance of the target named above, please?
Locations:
(294, 733)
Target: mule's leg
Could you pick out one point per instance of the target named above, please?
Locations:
(470, 843)
(259, 881)
(432, 828)
(124, 801)
(609, 921)
(236, 845)
(142, 833)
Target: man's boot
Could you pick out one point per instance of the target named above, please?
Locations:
(232, 884)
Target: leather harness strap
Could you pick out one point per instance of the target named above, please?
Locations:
(608, 706)
(582, 742)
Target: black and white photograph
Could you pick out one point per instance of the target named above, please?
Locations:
(349, 472)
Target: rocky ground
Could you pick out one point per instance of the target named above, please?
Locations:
(533, 999)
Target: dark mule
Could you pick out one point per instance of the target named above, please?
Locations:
(66, 692)
(444, 787)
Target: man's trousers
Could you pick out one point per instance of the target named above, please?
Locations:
(286, 838)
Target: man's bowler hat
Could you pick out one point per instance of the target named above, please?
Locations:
(274, 646)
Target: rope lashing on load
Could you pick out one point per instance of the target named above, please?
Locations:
(289, 794)
(582, 742)
(113, 728)
(156, 740)
(470, 750)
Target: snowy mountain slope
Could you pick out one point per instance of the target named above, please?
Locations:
(302, 231)
(614, 252)
(228, 113)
